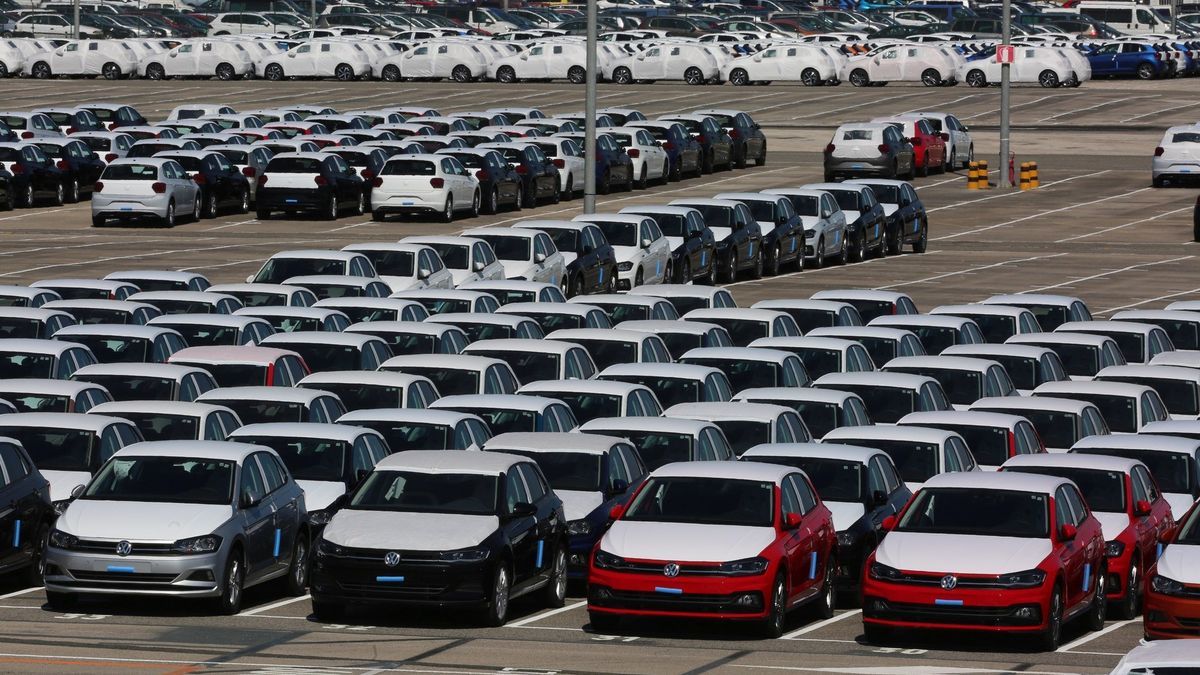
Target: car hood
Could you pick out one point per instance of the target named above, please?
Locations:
(625, 253)
(578, 504)
(962, 554)
(889, 209)
(675, 242)
(142, 521)
(400, 283)
(845, 514)
(852, 216)
(62, 482)
(319, 494)
(685, 541)
(516, 268)
(1112, 524)
(1181, 562)
(810, 222)
(408, 531)
(1180, 502)
(721, 233)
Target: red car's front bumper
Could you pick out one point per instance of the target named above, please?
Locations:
(744, 598)
(907, 605)
(1171, 616)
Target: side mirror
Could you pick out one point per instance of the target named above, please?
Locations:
(246, 501)
(361, 475)
(1068, 532)
(879, 498)
(76, 491)
(523, 510)
(792, 520)
(618, 487)
(965, 128)
(646, 242)
(423, 273)
(250, 279)
(539, 257)
(616, 512)
(587, 248)
(945, 136)
(353, 171)
(478, 266)
(1141, 508)
(889, 523)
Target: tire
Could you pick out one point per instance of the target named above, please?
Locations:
(297, 577)
(1145, 72)
(761, 160)
(966, 163)
(819, 254)
(676, 172)
(756, 272)
(195, 214)
(519, 199)
(859, 78)
(343, 72)
(41, 70)
(569, 189)
(111, 71)
(603, 623)
(34, 575)
(506, 74)
(492, 205)
(809, 77)
(390, 73)
(225, 72)
(273, 72)
(773, 270)
(644, 180)
(327, 611)
(378, 215)
(168, 219)
(920, 245)
(232, 581)
(844, 257)
(773, 625)
(576, 75)
(741, 157)
(931, 78)
(28, 200)
(72, 193)
(448, 210)
(332, 212)
(360, 206)
(60, 195)
(1050, 637)
(622, 75)
(576, 287)
(859, 252)
(693, 76)
(639, 279)
(1131, 604)
(210, 205)
(925, 167)
(730, 269)
(1094, 619)
(1158, 182)
(706, 166)
(61, 602)
(556, 590)
(685, 272)
(976, 79)
(497, 611)
(474, 212)
(1048, 79)
(824, 605)
(461, 73)
(738, 77)
(244, 206)
(558, 191)
(155, 71)
(895, 245)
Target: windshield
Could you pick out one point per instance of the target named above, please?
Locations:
(620, 311)
(588, 407)
(564, 240)
(1180, 396)
(134, 388)
(916, 462)
(132, 171)
(996, 513)
(884, 404)
(237, 375)
(619, 234)
(198, 335)
(805, 205)
(1189, 533)
(669, 390)
(658, 448)
(552, 321)
(277, 270)
(112, 349)
(181, 480)
(406, 343)
(306, 458)
(995, 329)
(23, 364)
(26, 402)
(989, 445)
(744, 434)
(820, 418)
(402, 436)
(1120, 412)
(715, 216)
(287, 164)
(566, 470)
(1102, 490)
(162, 427)
(252, 412)
(469, 494)
(745, 374)
(743, 331)
(392, 263)
(677, 343)
(707, 501)
(455, 256)
(508, 248)
(449, 382)
(836, 480)
(610, 352)
(1049, 316)
(1057, 430)
(819, 362)
(504, 421)
(323, 357)
(54, 449)
(763, 211)
(531, 366)
(1171, 470)
(933, 338)
(961, 386)
(409, 167)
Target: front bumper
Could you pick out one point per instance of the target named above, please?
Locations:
(170, 575)
(1171, 616)
(905, 605)
(739, 598)
(363, 580)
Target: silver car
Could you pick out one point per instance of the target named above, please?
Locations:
(149, 188)
(190, 519)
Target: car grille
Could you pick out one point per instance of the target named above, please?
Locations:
(948, 614)
(669, 602)
(110, 547)
(936, 580)
(656, 568)
(124, 579)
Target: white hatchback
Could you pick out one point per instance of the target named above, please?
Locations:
(424, 183)
(155, 189)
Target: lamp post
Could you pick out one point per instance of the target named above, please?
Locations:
(589, 113)
(1005, 92)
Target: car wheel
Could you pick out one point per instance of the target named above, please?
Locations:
(360, 206)
(604, 186)
(461, 73)
(895, 244)
(756, 272)
(506, 74)
(706, 166)
(60, 195)
(230, 601)
(98, 221)
(859, 78)
(622, 75)
(519, 198)
(739, 77)
(72, 193)
(761, 160)
(331, 213)
(1048, 79)
(10, 198)
(576, 75)
(391, 73)
(923, 242)
(638, 279)
(773, 269)
(497, 610)
(610, 286)
(1099, 609)
(225, 72)
(378, 215)
(273, 72)
(448, 210)
(556, 590)
(111, 71)
(1158, 181)
(1132, 603)
(1145, 72)
(740, 162)
(644, 180)
(210, 205)
(195, 215)
(244, 207)
(493, 201)
(474, 212)
(168, 219)
(930, 78)
(976, 78)
(731, 267)
(859, 252)
(777, 618)
(576, 287)
(61, 601)
(676, 172)
(966, 163)
(569, 189)
(1051, 635)
(925, 167)
(825, 605)
(693, 76)
(41, 70)
(557, 192)
(344, 72)
(28, 200)
(685, 272)
(36, 572)
(809, 77)
(297, 576)
(819, 256)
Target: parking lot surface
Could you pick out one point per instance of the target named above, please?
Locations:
(1095, 229)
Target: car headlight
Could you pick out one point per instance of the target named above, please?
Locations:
(605, 560)
(60, 506)
(60, 539)
(326, 549)
(321, 517)
(1165, 585)
(809, 234)
(723, 244)
(466, 555)
(624, 267)
(884, 572)
(579, 527)
(1026, 579)
(206, 544)
(845, 539)
(1114, 549)
(747, 566)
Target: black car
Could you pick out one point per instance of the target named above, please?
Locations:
(683, 152)
(410, 534)
(116, 115)
(499, 182)
(81, 166)
(366, 161)
(150, 147)
(737, 234)
(694, 255)
(594, 267)
(25, 523)
(8, 191)
(908, 223)
(749, 142)
(309, 181)
(539, 176)
(783, 244)
(34, 175)
(716, 145)
(614, 166)
(866, 232)
(74, 120)
(7, 135)
(221, 183)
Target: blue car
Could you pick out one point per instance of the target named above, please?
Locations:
(1130, 59)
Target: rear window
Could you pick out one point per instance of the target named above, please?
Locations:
(409, 167)
(130, 172)
(857, 135)
(236, 156)
(1187, 137)
(294, 165)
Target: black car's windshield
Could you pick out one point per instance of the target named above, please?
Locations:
(253, 412)
(183, 480)
(530, 366)
(658, 448)
(133, 387)
(996, 513)
(1171, 470)
(1102, 490)
(237, 374)
(508, 248)
(392, 263)
(566, 470)
(745, 374)
(605, 353)
(1120, 412)
(916, 462)
(618, 233)
(846, 199)
(805, 205)
(306, 458)
(708, 501)
(114, 349)
(449, 382)
(884, 404)
(715, 216)
(412, 491)
(55, 449)
(30, 402)
(888, 194)
(763, 211)
(671, 224)
(411, 435)
(564, 240)
(164, 427)
(745, 434)
(588, 406)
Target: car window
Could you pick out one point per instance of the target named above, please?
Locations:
(790, 498)
(252, 484)
(514, 490)
(273, 475)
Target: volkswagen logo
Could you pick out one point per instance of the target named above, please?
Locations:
(124, 548)
(391, 559)
(949, 582)
(671, 570)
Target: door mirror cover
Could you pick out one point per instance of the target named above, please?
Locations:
(523, 510)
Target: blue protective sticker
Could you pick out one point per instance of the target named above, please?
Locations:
(751, 253)
(1158, 550)
(1087, 577)
(794, 244)
(118, 568)
(703, 258)
(17, 534)
(602, 275)
(278, 536)
(812, 565)
(389, 580)
(948, 603)
(658, 268)
(669, 591)
(540, 551)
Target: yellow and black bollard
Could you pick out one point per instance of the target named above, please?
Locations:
(1025, 170)
(1033, 176)
(973, 176)
(985, 183)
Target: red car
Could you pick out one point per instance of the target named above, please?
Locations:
(1000, 552)
(929, 146)
(738, 541)
(1172, 603)
(1131, 509)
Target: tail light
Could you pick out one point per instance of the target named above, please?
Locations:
(830, 148)
(634, 152)
(199, 178)
(306, 132)
(98, 187)
(377, 182)
(63, 165)
(1159, 151)
(17, 168)
(320, 180)
(733, 133)
(249, 171)
(26, 134)
(560, 162)
(668, 146)
(262, 180)
(481, 174)
(322, 143)
(71, 130)
(944, 136)
(112, 126)
(367, 173)
(159, 187)
(1012, 444)
(521, 169)
(437, 183)
(110, 157)
(915, 140)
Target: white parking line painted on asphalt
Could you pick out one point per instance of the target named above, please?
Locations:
(904, 670)
(23, 591)
(1013, 193)
(993, 111)
(152, 254)
(228, 225)
(1160, 111)
(1076, 111)
(545, 615)
(38, 212)
(220, 265)
(298, 667)
(1147, 301)
(827, 269)
(139, 242)
(1097, 634)
(1038, 215)
(945, 104)
(1108, 273)
(876, 101)
(969, 270)
(275, 605)
(821, 624)
(1118, 227)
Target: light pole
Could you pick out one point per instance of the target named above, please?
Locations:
(75, 17)
(1005, 91)
(589, 113)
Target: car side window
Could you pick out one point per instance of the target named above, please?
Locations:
(890, 476)
(1078, 507)
(360, 456)
(1139, 487)
(252, 484)
(790, 498)
(273, 478)
(875, 477)
(1151, 488)
(514, 490)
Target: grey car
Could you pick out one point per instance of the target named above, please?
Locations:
(868, 149)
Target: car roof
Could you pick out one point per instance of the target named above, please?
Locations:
(997, 480)
(319, 337)
(710, 411)
(231, 354)
(970, 418)
(941, 362)
(493, 401)
(340, 432)
(854, 453)
(46, 386)
(166, 370)
(541, 441)
(796, 394)
(938, 320)
(646, 209)
(225, 450)
(1072, 460)
(607, 334)
(448, 361)
(415, 415)
(580, 386)
(1153, 442)
(122, 329)
(673, 370)
(874, 378)
(377, 377)
(736, 313)
(979, 308)
(1020, 299)
(1067, 405)
(61, 420)
(449, 461)
(117, 408)
(573, 308)
(655, 326)
(615, 425)
(983, 350)
(1151, 372)
(522, 345)
(888, 432)
(319, 253)
(1104, 388)
(739, 354)
(756, 471)
(690, 201)
(262, 393)
(37, 346)
(1114, 326)
(1059, 339)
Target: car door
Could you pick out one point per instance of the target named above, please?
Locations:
(650, 65)
(548, 519)
(24, 500)
(804, 560)
(886, 65)
(1070, 551)
(258, 519)
(521, 531)
(659, 250)
(286, 505)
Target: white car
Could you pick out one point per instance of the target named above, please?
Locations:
(1167, 655)
(422, 184)
(226, 60)
(319, 58)
(159, 189)
(543, 61)
(693, 63)
(1177, 155)
(643, 254)
(925, 63)
(825, 232)
(235, 23)
(650, 161)
(808, 64)
(110, 58)
(468, 258)
(51, 440)
(456, 60)
(406, 266)
(528, 255)
(1047, 66)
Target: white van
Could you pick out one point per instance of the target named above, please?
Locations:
(1134, 18)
